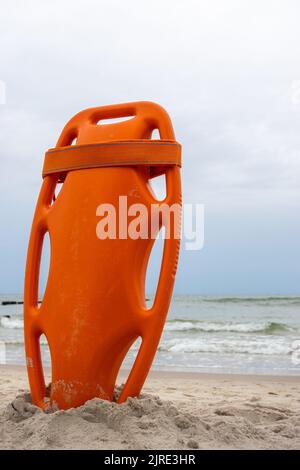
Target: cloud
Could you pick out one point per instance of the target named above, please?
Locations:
(225, 71)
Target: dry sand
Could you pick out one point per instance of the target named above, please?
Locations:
(175, 411)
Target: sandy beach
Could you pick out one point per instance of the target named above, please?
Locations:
(175, 411)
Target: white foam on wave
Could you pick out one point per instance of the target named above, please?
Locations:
(11, 323)
(207, 327)
(226, 346)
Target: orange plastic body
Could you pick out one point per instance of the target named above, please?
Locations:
(94, 303)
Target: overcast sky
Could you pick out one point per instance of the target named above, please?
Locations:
(228, 73)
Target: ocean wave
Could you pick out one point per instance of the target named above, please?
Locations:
(178, 325)
(20, 342)
(215, 327)
(198, 346)
(226, 347)
(11, 323)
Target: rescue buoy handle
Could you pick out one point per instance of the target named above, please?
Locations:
(151, 330)
(33, 327)
(86, 126)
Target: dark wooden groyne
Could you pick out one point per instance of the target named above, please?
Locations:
(14, 302)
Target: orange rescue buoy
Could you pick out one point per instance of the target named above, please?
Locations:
(94, 305)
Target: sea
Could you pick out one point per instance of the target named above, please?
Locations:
(242, 335)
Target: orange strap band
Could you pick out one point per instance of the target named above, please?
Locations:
(157, 153)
